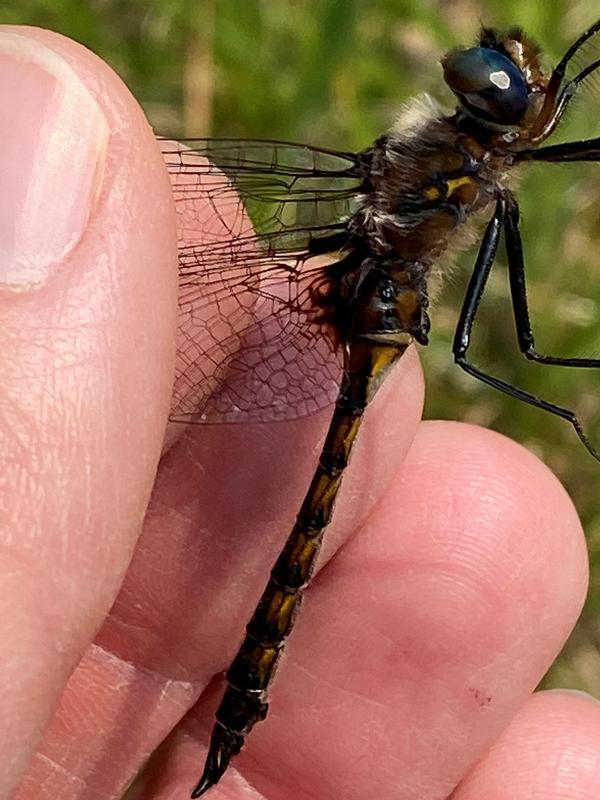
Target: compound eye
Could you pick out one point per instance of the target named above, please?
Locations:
(488, 84)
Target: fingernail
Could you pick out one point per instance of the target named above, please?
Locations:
(53, 142)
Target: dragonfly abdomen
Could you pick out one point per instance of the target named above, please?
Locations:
(244, 702)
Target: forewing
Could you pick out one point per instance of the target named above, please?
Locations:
(253, 345)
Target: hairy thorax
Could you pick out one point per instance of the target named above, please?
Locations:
(422, 184)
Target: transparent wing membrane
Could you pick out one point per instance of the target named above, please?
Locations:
(261, 221)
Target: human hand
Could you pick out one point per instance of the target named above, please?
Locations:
(453, 571)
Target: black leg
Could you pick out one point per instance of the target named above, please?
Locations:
(481, 271)
(462, 337)
(518, 291)
(586, 150)
(559, 94)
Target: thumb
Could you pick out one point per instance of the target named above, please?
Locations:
(87, 327)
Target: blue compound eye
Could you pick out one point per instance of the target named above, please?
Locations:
(488, 84)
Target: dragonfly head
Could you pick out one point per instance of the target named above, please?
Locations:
(499, 83)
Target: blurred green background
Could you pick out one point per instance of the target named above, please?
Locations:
(335, 72)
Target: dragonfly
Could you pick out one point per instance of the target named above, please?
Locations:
(313, 278)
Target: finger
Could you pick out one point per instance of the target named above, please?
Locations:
(427, 632)
(235, 491)
(87, 311)
(220, 511)
(550, 751)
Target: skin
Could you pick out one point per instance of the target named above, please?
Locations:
(452, 574)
